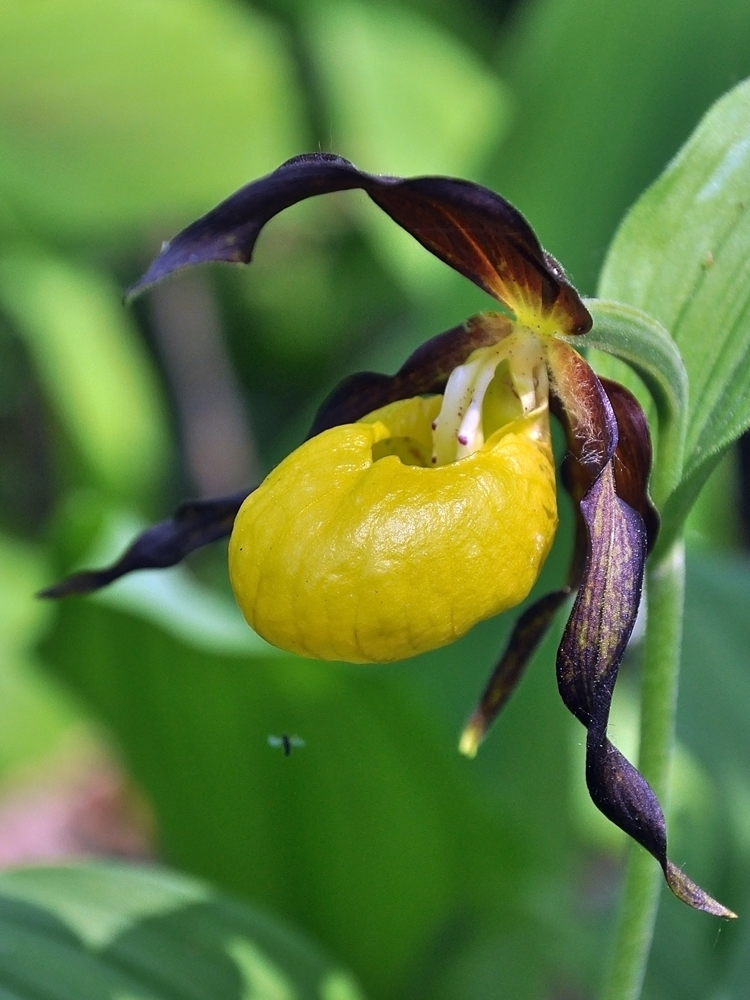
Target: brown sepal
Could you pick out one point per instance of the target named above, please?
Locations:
(583, 407)
(588, 661)
(466, 225)
(195, 523)
(607, 476)
(633, 455)
(607, 602)
(527, 634)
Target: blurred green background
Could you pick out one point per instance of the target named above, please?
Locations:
(136, 722)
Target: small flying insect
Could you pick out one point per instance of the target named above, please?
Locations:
(286, 742)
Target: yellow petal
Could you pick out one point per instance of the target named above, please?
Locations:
(339, 556)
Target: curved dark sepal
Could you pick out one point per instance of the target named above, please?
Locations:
(194, 524)
(528, 632)
(589, 658)
(606, 605)
(466, 225)
(603, 421)
(583, 408)
(425, 371)
(621, 792)
(633, 455)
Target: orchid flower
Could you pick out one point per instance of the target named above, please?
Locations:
(424, 502)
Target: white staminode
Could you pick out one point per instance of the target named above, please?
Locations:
(458, 430)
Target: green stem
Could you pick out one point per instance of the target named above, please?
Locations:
(665, 584)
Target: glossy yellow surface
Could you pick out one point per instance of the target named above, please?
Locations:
(340, 555)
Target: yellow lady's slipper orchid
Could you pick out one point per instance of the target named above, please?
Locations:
(424, 501)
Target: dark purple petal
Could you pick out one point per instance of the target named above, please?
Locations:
(466, 225)
(607, 473)
(632, 459)
(588, 661)
(528, 632)
(606, 605)
(194, 524)
(602, 421)
(426, 371)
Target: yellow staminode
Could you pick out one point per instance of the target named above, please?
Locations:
(370, 544)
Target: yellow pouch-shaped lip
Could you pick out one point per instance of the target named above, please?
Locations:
(339, 556)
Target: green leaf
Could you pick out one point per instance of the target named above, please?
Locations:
(375, 836)
(644, 345)
(96, 930)
(99, 903)
(93, 365)
(118, 114)
(681, 255)
(639, 340)
(580, 153)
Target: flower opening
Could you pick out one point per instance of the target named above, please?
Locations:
(391, 536)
